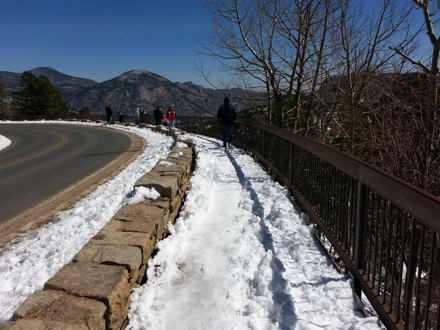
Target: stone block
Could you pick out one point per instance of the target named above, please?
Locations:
(109, 284)
(167, 166)
(144, 211)
(35, 324)
(189, 143)
(143, 217)
(56, 306)
(161, 202)
(183, 189)
(175, 204)
(140, 240)
(143, 227)
(183, 164)
(126, 256)
(165, 185)
(88, 253)
(114, 225)
(142, 274)
(178, 152)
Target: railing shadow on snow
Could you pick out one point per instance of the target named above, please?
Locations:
(382, 230)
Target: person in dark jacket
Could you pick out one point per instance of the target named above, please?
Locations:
(158, 115)
(226, 116)
(109, 113)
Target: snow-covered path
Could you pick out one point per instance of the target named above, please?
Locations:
(241, 257)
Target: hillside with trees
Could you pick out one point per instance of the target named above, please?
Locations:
(38, 98)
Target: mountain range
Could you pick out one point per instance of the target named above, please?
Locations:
(133, 89)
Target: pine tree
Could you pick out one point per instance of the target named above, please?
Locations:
(4, 107)
(38, 98)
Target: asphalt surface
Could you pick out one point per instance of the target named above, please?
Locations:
(43, 160)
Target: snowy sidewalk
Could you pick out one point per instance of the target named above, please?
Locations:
(241, 257)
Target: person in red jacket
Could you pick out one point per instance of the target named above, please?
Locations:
(171, 115)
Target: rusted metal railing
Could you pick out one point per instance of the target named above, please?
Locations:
(384, 230)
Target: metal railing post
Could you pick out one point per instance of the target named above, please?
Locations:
(360, 231)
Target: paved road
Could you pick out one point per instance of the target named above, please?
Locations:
(43, 160)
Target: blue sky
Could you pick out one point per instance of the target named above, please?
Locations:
(101, 39)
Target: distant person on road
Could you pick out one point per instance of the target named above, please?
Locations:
(137, 117)
(171, 115)
(226, 116)
(121, 116)
(109, 113)
(158, 115)
(143, 117)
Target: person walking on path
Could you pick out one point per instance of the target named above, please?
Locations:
(109, 113)
(137, 116)
(121, 116)
(158, 115)
(226, 116)
(171, 115)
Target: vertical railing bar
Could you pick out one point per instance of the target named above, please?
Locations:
(419, 277)
(394, 267)
(321, 182)
(409, 282)
(360, 237)
(339, 222)
(430, 279)
(312, 175)
(335, 207)
(400, 310)
(351, 216)
(353, 211)
(348, 215)
(330, 191)
(375, 238)
(263, 152)
(344, 212)
(290, 161)
(370, 228)
(334, 201)
(381, 284)
(387, 254)
(322, 189)
(315, 187)
(437, 325)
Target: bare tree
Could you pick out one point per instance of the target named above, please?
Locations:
(305, 26)
(419, 157)
(330, 70)
(272, 45)
(362, 56)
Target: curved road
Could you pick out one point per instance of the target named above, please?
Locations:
(46, 159)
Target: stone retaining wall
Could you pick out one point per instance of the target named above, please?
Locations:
(93, 291)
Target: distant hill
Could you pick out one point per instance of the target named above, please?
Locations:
(132, 89)
(68, 86)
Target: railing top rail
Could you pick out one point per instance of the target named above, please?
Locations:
(415, 201)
